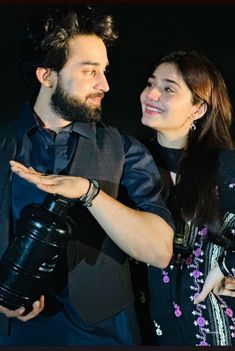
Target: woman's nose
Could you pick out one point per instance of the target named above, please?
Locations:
(153, 95)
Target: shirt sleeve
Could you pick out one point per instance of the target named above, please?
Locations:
(141, 183)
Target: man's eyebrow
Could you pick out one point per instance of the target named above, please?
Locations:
(92, 63)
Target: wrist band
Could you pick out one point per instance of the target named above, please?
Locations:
(92, 192)
(223, 267)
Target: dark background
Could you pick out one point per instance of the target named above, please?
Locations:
(146, 31)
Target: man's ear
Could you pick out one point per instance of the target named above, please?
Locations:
(200, 111)
(45, 76)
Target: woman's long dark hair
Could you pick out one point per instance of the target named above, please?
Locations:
(196, 196)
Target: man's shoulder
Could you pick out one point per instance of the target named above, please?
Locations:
(106, 128)
(8, 128)
(8, 140)
(129, 142)
(107, 133)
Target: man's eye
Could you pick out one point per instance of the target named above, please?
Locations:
(91, 72)
(149, 84)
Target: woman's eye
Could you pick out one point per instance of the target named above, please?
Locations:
(169, 90)
(149, 84)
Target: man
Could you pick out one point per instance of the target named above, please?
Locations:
(90, 301)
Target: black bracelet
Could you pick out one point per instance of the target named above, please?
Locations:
(93, 191)
(223, 267)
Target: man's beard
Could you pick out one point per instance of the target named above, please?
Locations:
(71, 109)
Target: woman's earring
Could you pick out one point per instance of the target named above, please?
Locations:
(193, 127)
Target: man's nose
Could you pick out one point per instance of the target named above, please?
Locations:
(102, 83)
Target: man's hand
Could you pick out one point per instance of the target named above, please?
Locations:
(19, 312)
(68, 186)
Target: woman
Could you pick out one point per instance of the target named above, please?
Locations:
(186, 103)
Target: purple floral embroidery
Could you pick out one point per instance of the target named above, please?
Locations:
(203, 343)
(198, 252)
(165, 278)
(178, 312)
(201, 321)
(229, 312)
(203, 231)
(196, 273)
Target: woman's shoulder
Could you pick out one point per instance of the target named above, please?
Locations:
(226, 156)
(226, 166)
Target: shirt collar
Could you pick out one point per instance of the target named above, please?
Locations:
(27, 122)
(87, 130)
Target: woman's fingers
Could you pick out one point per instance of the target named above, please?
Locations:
(224, 292)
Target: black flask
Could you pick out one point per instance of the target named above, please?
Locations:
(42, 232)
